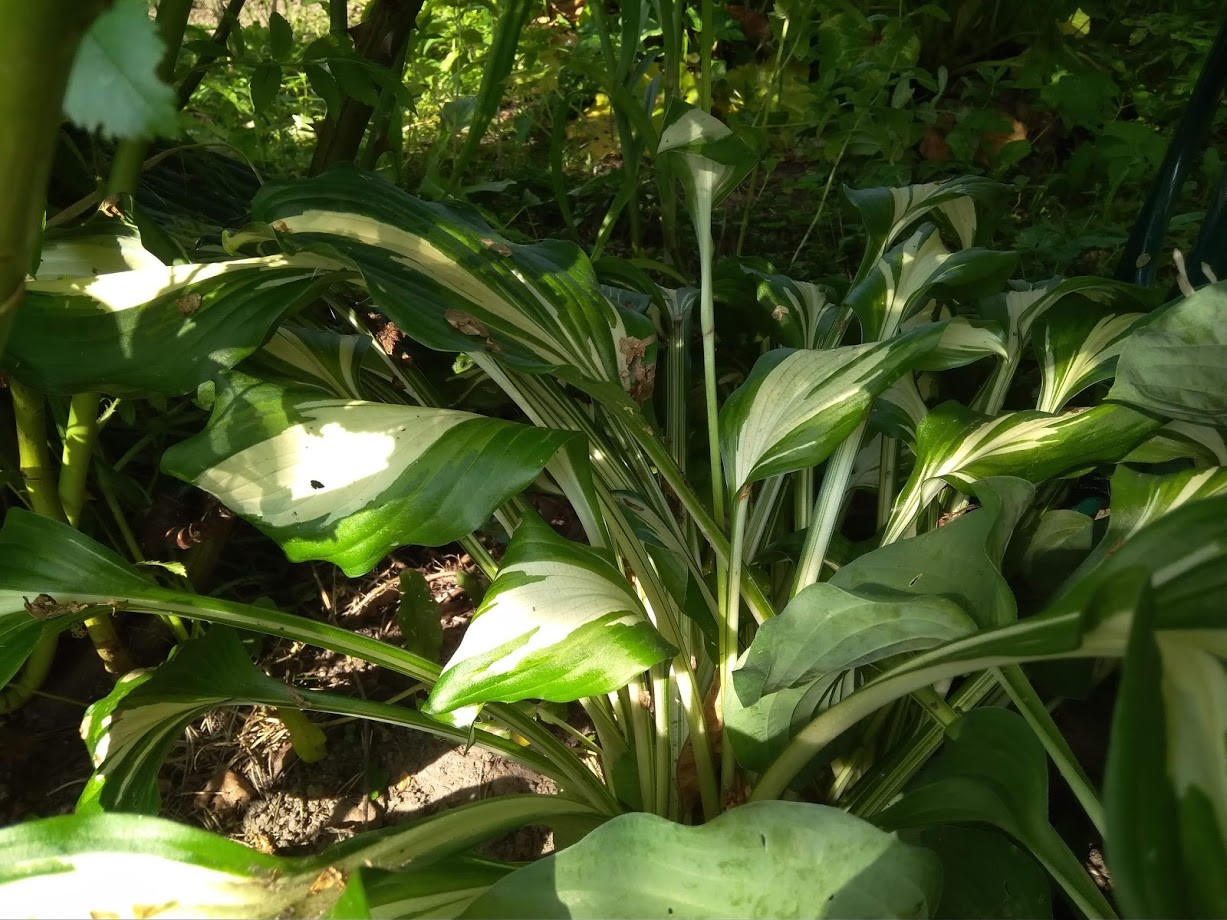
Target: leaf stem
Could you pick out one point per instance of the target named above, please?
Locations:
(827, 509)
(728, 637)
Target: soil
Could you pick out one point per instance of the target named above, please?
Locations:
(235, 771)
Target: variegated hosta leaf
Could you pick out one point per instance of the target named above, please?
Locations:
(800, 314)
(348, 481)
(298, 356)
(560, 622)
(797, 406)
(965, 339)
(710, 159)
(91, 250)
(919, 268)
(156, 329)
(900, 410)
(1165, 848)
(1179, 440)
(1139, 499)
(451, 282)
(958, 446)
(1078, 349)
(826, 630)
(1175, 364)
(887, 212)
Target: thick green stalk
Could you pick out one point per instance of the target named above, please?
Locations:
(79, 434)
(827, 510)
(888, 468)
(38, 42)
(30, 412)
(728, 636)
(707, 328)
(633, 697)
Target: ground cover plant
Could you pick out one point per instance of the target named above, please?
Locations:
(781, 575)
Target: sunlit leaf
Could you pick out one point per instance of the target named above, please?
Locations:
(958, 446)
(964, 340)
(449, 280)
(298, 356)
(1078, 350)
(776, 859)
(114, 86)
(347, 481)
(710, 159)
(560, 622)
(797, 406)
(158, 328)
(1175, 365)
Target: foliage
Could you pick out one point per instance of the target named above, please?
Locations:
(881, 446)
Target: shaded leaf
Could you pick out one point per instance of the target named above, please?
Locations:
(417, 614)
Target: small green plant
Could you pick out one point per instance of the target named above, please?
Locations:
(827, 674)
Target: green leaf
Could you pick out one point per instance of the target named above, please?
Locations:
(1165, 848)
(959, 561)
(90, 250)
(1175, 366)
(417, 614)
(156, 329)
(436, 891)
(296, 356)
(917, 270)
(800, 314)
(762, 730)
(965, 339)
(826, 630)
(709, 158)
(114, 87)
(265, 85)
(451, 282)
(1078, 349)
(958, 446)
(347, 481)
(798, 406)
(984, 875)
(1205, 445)
(774, 859)
(560, 622)
(993, 770)
(888, 212)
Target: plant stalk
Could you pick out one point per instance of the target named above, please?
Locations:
(827, 509)
(728, 637)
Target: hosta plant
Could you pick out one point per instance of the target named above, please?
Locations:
(799, 661)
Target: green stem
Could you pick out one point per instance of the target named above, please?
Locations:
(888, 468)
(707, 328)
(728, 636)
(34, 462)
(662, 700)
(632, 696)
(1032, 708)
(33, 673)
(79, 434)
(827, 509)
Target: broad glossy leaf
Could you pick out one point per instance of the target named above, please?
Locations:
(826, 630)
(959, 561)
(985, 875)
(347, 481)
(993, 770)
(710, 159)
(888, 212)
(141, 866)
(1165, 848)
(437, 892)
(114, 246)
(797, 406)
(1205, 445)
(297, 356)
(765, 859)
(114, 85)
(958, 446)
(760, 731)
(130, 731)
(900, 410)
(156, 329)
(1078, 350)
(965, 339)
(560, 622)
(800, 315)
(446, 278)
(1175, 366)
(918, 269)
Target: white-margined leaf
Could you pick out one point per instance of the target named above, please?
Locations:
(560, 622)
(799, 313)
(159, 328)
(1175, 363)
(957, 446)
(447, 279)
(1077, 350)
(900, 410)
(918, 269)
(348, 481)
(888, 212)
(710, 159)
(797, 406)
(297, 356)
(92, 250)
(965, 339)
(130, 731)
